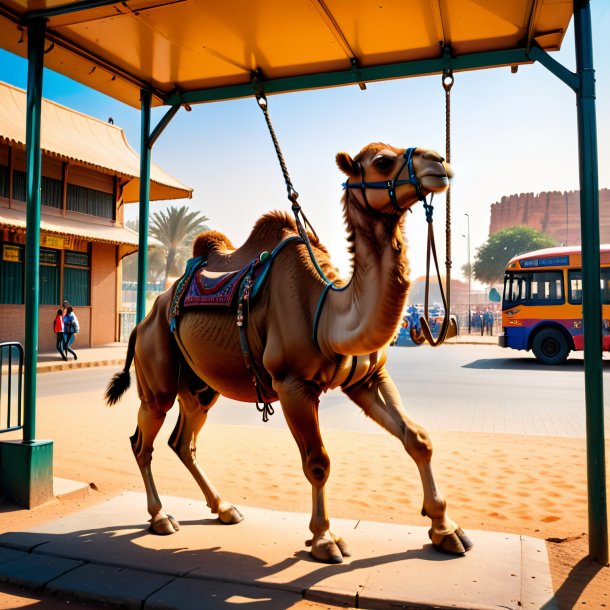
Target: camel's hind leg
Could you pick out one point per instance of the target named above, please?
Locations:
(300, 406)
(157, 361)
(149, 424)
(196, 399)
(380, 400)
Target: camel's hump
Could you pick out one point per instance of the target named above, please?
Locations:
(268, 231)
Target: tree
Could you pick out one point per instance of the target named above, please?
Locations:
(491, 258)
(176, 228)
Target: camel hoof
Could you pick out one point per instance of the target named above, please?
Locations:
(327, 550)
(456, 543)
(229, 514)
(163, 525)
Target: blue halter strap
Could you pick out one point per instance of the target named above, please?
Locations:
(390, 185)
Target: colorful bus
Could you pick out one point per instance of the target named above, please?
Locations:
(542, 302)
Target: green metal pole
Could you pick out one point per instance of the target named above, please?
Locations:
(146, 100)
(592, 319)
(36, 30)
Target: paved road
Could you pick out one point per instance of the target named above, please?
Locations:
(480, 388)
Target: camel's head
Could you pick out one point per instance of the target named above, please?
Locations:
(386, 179)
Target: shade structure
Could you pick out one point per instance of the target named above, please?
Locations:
(202, 50)
(180, 52)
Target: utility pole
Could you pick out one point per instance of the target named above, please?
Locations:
(469, 272)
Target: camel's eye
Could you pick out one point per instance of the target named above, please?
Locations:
(383, 162)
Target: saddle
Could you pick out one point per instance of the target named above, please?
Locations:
(233, 290)
(202, 288)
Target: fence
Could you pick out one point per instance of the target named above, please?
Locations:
(11, 386)
(130, 292)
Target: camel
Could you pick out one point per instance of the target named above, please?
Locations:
(354, 322)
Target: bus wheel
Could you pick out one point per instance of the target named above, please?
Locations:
(550, 346)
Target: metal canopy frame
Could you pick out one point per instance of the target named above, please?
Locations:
(582, 83)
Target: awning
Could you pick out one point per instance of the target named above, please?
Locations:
(76, 137)
(125, 238)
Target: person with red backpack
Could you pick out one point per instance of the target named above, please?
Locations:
(58, 329)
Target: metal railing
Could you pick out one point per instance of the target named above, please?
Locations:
(127, 322)
(11, 386)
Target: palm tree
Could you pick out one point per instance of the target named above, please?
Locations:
(176, 228)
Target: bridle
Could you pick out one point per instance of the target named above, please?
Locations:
(390, 185)
(448, 328)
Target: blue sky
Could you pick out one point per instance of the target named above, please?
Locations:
(511, 133)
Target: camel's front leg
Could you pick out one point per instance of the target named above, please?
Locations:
(300, 406)
(380, 400)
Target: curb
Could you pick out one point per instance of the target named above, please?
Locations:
(78, 364)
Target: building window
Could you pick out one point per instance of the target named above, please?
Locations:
(50, 189)
(76, 278)
(18, 185)
(49, 277)
(51, 192)
(4, 181)
(90, 201)
(11, 274)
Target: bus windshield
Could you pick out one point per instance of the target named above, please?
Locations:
(534, 288)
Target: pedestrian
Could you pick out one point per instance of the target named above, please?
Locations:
(71, 327)
(58, 329)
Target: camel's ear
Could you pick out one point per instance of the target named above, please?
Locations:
(346, 164)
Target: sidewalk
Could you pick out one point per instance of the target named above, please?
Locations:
(112, 354)
(102, 554)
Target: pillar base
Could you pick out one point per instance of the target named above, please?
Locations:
(26, 472)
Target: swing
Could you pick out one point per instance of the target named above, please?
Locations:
(448, 327)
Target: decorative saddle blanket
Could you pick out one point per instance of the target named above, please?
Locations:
(199, 287)
(214, 289)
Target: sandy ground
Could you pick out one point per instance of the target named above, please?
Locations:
(519, 484)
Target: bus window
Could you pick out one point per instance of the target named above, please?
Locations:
(515, 288)
(575, 286)
(546, 286)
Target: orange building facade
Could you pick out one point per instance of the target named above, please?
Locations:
(89, 172)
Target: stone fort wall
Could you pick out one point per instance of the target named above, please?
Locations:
(555, 213)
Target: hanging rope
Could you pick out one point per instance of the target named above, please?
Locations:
(448, 327)
(292, 194)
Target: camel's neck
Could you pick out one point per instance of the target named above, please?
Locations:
(363, 318)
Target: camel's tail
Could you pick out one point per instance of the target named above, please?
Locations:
(119, 384)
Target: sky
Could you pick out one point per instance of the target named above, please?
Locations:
(511, 133)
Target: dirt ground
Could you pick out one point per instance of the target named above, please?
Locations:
(529, 485)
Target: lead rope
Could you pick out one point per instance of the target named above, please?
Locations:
(448, 328)
(292, 194)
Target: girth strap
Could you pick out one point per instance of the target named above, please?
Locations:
(247, 290)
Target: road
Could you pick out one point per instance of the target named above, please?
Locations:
(479, 388)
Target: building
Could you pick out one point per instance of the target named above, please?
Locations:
(89, 173)
(555, 213)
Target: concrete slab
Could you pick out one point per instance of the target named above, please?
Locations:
(213, 595)
(67, 488)
(35, 571)
(391, 565)
(106, 584)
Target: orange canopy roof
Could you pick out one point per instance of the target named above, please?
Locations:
(177, 47)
